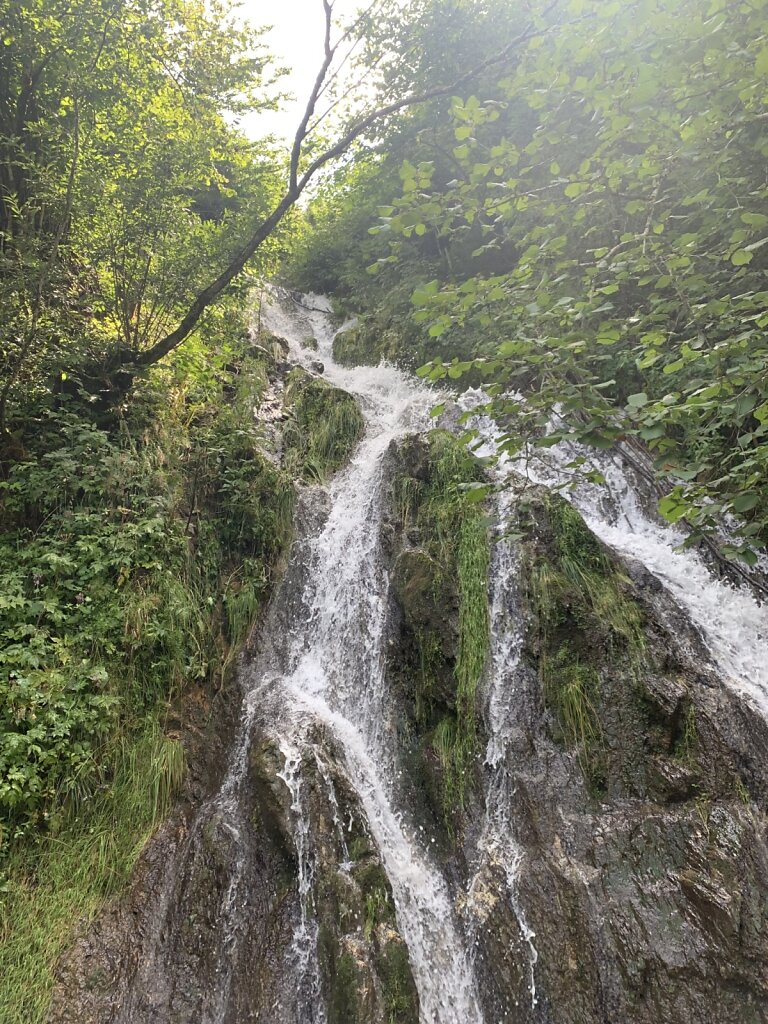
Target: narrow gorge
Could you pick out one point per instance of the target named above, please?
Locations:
(482, 762)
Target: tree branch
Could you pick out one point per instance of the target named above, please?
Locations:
(297, 182)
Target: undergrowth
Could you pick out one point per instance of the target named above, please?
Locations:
(136, 547)
(325, 426)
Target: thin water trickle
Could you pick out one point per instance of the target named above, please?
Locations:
(498, 844)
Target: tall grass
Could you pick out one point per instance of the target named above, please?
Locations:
(52, 889)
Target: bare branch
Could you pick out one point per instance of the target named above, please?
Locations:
(301, 131)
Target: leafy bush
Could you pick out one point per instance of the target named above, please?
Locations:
(132, 560)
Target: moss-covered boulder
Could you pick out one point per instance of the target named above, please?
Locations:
(324, 425)
(438, 544)
(364, 345)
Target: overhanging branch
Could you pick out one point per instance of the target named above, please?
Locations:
(297, 182)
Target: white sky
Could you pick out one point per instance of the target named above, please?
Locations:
(296, 39)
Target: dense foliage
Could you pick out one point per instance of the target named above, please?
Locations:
(122, 180)
(588, 226)
(134, 563)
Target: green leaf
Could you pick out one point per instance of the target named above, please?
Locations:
(744, 405)
(654, 432)
(673, 507)
(638, 399)
(741, 257)
(756, 220)
(475, 493)
(608, 337)
(747, 555)
(745, 502)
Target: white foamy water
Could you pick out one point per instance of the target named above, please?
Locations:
(732, 623)
(336, 666)
(498, 843)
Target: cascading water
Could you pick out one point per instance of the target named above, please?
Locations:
(731, 621)
(729, 618)
(498, 844)
(336, 673)
(318, 691)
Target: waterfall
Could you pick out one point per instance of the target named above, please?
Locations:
(498, 843)
(336, 670)
(318, 692)
(731, 622)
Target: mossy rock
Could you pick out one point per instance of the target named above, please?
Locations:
(400, 997)
(325, 425)
(428, 599)
(613, 695)
(440, 583)
(357, 346)
(271, 345)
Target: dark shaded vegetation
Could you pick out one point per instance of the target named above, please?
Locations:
(440, 582)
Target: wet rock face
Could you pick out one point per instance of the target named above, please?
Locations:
(158, 955)
(645, 870)
(632, 786)
(208, 931)
(365, 973)
(638, 787)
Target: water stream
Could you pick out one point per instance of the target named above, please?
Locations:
(732, 623)
(336, 675)
(321, 686)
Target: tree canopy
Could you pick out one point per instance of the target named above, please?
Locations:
(588, 226)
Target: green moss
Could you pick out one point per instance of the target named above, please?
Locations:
(367, 343)
(355, 347)
(431, 656)
(687, 746)
(581, 608)
(48, 889)
(377, 909)
(342, 1006)
(451, 567)
(456, 530)
(325, 427)
(340, 974)
(572, 688)
(400, 998)
(359, 847)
